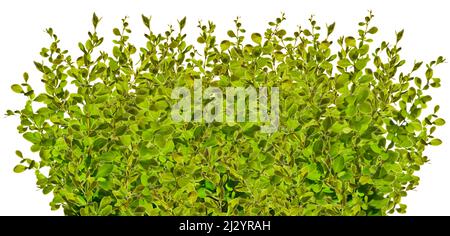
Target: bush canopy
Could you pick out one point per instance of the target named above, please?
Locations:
(352, 124)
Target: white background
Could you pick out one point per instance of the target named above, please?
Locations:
(21, 38)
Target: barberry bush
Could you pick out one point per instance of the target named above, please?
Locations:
(354, 123)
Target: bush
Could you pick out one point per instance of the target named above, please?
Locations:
(352, 130)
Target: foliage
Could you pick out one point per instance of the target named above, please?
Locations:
(352, 129)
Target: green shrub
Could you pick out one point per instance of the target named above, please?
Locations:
(351, 136)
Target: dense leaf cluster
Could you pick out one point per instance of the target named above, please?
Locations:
(352, 129)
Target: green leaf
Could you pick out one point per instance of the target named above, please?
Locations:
(280, 33)
(292, 124)
(17, 88)
(224, 45)
(26, 77)
(418, 82)
(330, 28)
(256, 37)
(95, 20)
(148, 152)
(365, 107)
(126, 140)
(231, 34)
(365, 79)
(209, 185)
(313, 173)
(201, 40)
(147, 135)
(346, 130)
(416, 125)
(417, 65)
(146, 21)
(400, 35)
(362, 93)
(361, 64)
(32, 137)
(116, 31)
(105, 202)
(439, 122)
(436, 142)
(99, 143)
(109, 156)
(373, 30)
(165, 130)
(19, 154)
(342, 80)
(338, 164)
(19, 168)
(365, 180)
(364, 49)
(116, 51)
(182, 23)
(344, 63)
(105, 170)
(144, 179)
(379, 204)
(44, 98)
(106, 211)
(201, 193)
(350, 41)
